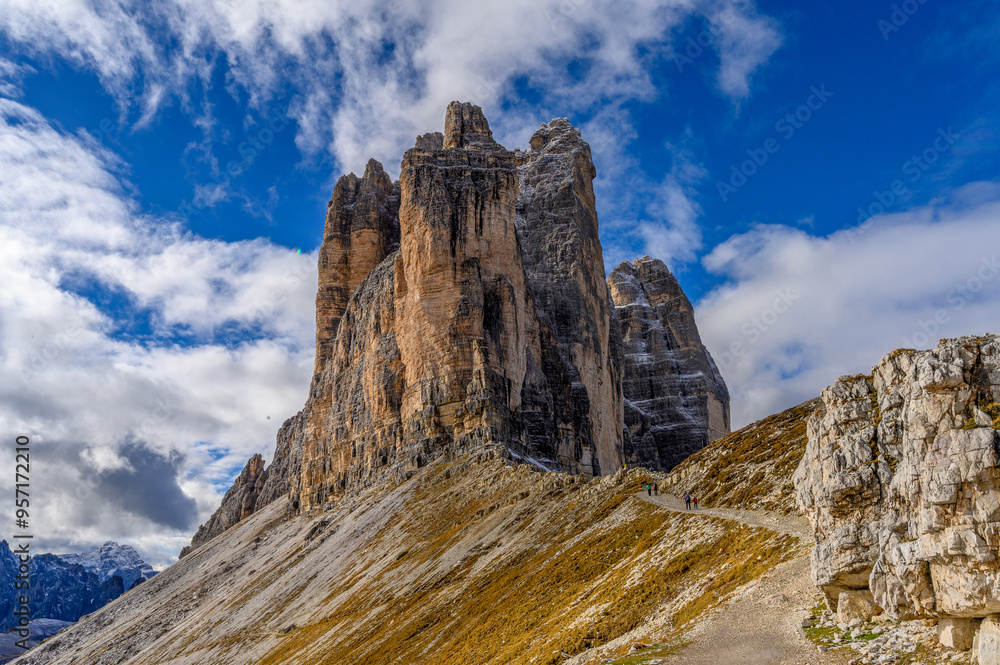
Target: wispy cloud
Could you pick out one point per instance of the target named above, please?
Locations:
(799, 310)
(97, 378)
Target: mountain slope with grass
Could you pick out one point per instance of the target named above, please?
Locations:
(751, 468)
(467, 562)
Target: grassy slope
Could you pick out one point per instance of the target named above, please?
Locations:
(751, 468)
(492, 564)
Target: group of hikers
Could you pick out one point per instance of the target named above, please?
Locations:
(652, 489)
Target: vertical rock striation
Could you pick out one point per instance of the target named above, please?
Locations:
(675, 399)
(573, 401)
(464, 308)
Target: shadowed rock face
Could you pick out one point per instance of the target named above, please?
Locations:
(461, 309)
(240, 502)
(901, 480)
(67, 586)
(675, 399)
(573, 397)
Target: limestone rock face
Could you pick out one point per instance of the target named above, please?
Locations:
(986, 643)
(957, 633)
(362, 227)
(572, 395)
(462, 310)
(675, 398)
(239, 503)
(853, 605)
(901, 482)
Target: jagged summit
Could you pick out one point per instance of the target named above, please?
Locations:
(676, 401)
(464, 309)
(112, 559)
(465, 126)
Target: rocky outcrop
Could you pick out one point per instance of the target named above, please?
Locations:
(901, 480)
(240, 502)
(362, 227)
(572, 399)
(464, 309)
(675, 399)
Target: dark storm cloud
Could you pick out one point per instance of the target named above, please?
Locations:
(149, 487)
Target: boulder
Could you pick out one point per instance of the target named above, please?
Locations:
(986, 644)
(856, 605)
(957, 633)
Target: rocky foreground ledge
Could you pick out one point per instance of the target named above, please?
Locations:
(901, 481)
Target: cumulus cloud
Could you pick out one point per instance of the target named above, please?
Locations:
(119, 327)
(367, 77)
(798, 310)
(96, 296)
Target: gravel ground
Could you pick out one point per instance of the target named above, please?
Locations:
(764, 623)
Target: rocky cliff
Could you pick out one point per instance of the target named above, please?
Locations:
(675, 398)
(901, 480)
(464, 309)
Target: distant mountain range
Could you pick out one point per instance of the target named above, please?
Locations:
(67, 586)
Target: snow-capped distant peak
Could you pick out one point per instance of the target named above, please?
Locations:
(112, 559)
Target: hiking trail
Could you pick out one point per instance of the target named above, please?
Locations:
(762, 624)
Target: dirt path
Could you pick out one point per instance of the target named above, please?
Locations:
(763, 624)
(794, 525)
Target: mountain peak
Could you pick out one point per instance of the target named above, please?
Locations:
(465, 126)
(465, 309)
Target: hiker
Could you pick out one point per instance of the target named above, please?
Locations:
(656, 490)
(649, 489)
(695, 500)
(687, 502)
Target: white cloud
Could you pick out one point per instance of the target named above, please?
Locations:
(798, 310)
(440, 50)
(746, 40)
(661, 218)
(91, 378)
(95, 377)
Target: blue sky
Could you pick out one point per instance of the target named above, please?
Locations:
(824, 180)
